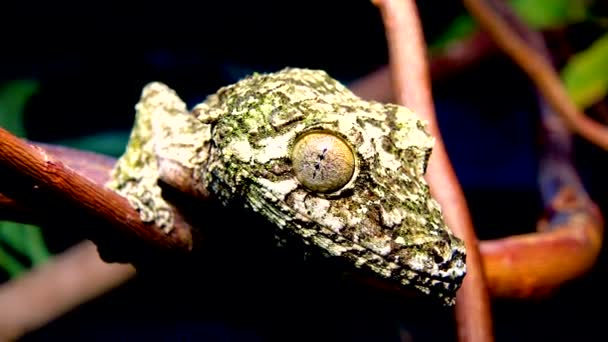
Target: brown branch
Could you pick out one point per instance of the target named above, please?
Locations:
(539, 70)
(412, 88)
(56, 287)
(536, 264)
(33, 178)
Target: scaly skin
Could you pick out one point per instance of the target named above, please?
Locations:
(353, 188)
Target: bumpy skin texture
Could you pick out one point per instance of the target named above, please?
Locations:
(237, 146)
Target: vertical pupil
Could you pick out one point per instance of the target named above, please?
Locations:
(318, 164)
(322, 155)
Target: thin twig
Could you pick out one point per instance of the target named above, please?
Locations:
(56, 287)
(539, 70)
(412, 88)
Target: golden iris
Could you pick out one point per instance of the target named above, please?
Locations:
(322, 162)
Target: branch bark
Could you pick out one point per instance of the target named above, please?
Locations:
(412, 88)
(33, 177)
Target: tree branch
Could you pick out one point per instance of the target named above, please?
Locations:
(33, 178)
(412, 88)
(56, 287)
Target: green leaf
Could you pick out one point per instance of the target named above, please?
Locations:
(13, 97)
(25, 239)
(586, 73)
(10, 264)
(550, 13)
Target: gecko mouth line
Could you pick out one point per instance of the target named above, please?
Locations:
(374, 262)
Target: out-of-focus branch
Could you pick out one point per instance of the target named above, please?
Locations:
(536, 264)
(455, 58)
(571, 235)
(538, 69)
(376, 86)
(412, 86)
(56, 287)
(460, 55)
(33, 178)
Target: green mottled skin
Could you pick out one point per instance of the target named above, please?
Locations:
(236, 147)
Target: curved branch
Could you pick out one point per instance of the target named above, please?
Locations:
(412, 88)
(539, 70)
(536, 264)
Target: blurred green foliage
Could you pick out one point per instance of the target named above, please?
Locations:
(586, 73)
(21, 245)
(551, 13)
(23, 240)
(13, 97)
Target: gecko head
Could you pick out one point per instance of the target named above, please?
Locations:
(344, 176)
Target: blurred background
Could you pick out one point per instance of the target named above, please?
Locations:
(71, 73)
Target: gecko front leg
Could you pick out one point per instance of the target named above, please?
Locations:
(166, 143)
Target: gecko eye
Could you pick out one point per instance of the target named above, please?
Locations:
(322, 162)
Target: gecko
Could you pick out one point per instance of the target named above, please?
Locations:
(342, 175)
